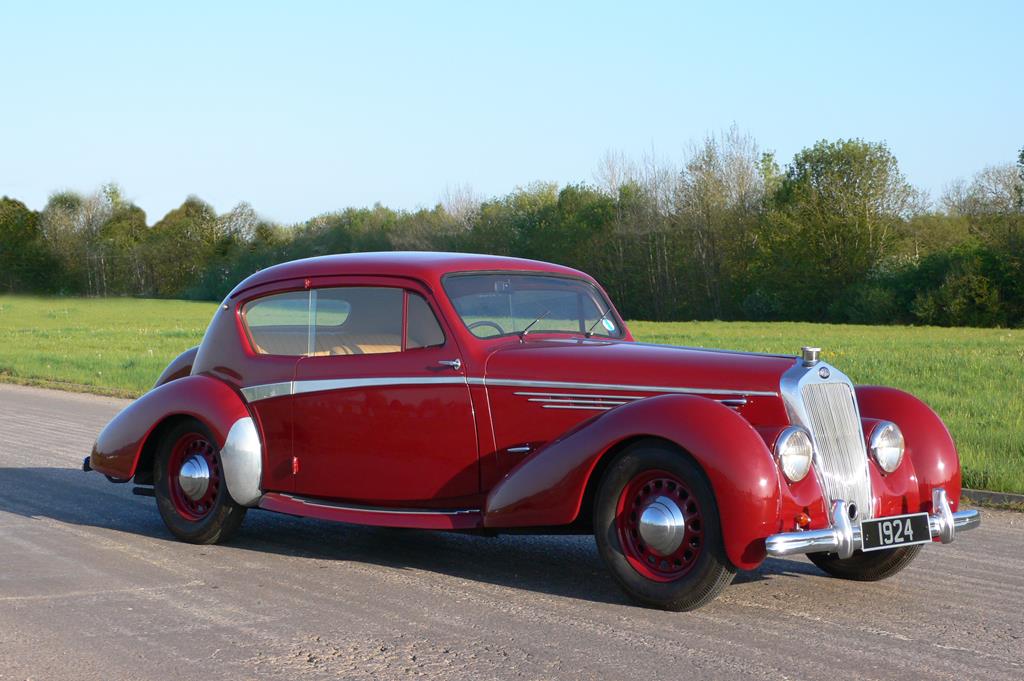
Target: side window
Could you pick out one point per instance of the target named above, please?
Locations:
(279, 324)
(356, 320)
(348, 320)
(422, 329)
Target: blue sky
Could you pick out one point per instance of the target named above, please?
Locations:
(301, 108)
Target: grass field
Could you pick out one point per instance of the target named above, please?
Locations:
(974, 378)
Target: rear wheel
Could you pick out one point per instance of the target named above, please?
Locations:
(866, 567)
(189, 486)
(657, 529)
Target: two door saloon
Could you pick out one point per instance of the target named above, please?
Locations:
(484, 394)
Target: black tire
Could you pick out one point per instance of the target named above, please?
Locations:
(710, 570)
(222, 516)
(866, 567)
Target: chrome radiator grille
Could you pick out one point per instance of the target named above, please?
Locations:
(841, 460)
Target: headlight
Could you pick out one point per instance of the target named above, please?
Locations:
(795, 453)
(887, 446)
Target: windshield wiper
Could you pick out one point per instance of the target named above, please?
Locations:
(526, 329)
(590, 331)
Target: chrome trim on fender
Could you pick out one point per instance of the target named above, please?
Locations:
(582, 396)
(575, 400)
(242, 460)
(597, 402)
(265, 392)
(843, 538)
(591, 407)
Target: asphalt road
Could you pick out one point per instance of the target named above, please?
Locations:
(93, 587)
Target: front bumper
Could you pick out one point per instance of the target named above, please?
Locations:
(843, 538)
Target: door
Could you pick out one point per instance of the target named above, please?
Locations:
(382, 409)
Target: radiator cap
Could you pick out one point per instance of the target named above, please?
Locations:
(810, 355)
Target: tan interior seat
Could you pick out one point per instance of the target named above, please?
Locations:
(356, 344)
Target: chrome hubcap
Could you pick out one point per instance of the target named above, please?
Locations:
(662, 525)
(194, 477)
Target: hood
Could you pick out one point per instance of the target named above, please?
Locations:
(636, 366)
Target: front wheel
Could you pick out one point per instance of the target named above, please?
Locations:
(657, 529)
(191, 495)
(866, 567)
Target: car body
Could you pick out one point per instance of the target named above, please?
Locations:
(491, 394)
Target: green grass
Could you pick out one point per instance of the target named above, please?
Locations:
(112, 346)
(974, 378)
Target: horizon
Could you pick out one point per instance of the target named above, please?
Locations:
(264, 106)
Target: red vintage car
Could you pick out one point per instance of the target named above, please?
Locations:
(490, 394)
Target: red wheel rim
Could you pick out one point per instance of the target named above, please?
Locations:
(639, 493)
(189, 446)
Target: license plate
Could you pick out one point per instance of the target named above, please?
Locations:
(897, 530)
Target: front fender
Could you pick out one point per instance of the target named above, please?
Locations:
(930, 447)
(120, 445)
(547, 488)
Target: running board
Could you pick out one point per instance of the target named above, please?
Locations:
(422, 519)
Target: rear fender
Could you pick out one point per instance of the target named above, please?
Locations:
(930, 447)
(180, 367)
(548, 487)
(120, 446)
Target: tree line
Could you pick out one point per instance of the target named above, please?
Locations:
(837, 235)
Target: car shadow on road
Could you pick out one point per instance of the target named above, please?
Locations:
(558, 565)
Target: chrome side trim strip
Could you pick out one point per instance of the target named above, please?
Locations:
(516, 383)
(265, 392)
(242, 461)
(315, 386)
(268, 390)
(372, 509)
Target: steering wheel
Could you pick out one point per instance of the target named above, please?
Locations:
(487, 322)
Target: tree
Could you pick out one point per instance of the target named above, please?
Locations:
(179, 247)
(836, 215)
(70, 224)
(118, 254)
(718, 202)
(25, 263)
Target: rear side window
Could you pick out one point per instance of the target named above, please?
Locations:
(344, 320)
(357, 320)
(279, 324)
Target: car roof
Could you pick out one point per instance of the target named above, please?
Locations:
(427, 266)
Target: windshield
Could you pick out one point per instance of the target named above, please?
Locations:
(505, 304)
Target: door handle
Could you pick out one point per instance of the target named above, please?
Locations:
(453, 363)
